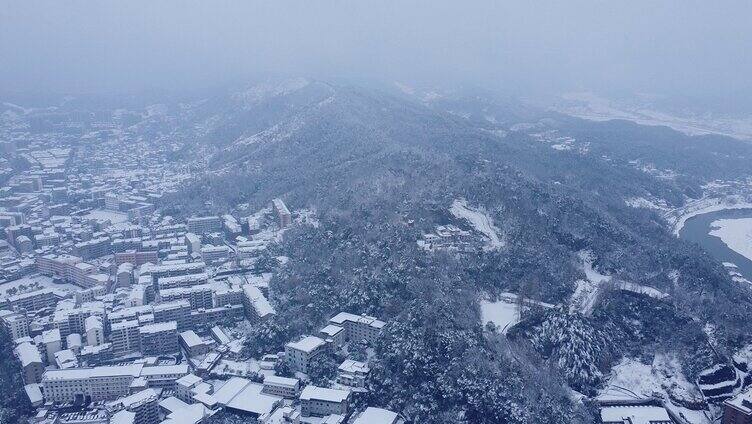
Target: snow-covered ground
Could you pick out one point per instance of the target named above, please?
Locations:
(632, 379)
(735, 233)
(736, 276)
(34, 282)
(502, 313)
(480, 221)
(587, 291)
(101, 215)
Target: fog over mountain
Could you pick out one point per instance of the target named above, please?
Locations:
(680, 48)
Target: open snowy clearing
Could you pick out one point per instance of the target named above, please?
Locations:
(586, 293)
(735, 233)
(479, 220)
(504, 312)
(631, 379)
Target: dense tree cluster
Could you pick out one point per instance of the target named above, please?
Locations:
(14, 404)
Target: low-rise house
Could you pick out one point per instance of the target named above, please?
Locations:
(352, 373)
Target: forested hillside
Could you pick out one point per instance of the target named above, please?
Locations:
(381, 171)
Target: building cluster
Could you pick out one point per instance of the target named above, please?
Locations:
(120, 314)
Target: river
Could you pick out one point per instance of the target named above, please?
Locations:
(697, 229)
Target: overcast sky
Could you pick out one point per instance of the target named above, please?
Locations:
(690, 47)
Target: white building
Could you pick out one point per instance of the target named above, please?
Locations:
(320, 401)
(298, 354)
(281, 386)
(358, 327)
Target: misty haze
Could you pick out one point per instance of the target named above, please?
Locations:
(361, 212)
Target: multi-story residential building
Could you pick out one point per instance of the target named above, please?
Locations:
(125, 337)
(193, 344)
(738, 409)
(136, 257)
(200, 296)
(335, 333)
(228, 296)
(73, 320)
(94, 330)
(284, 218)
(16, 323)
(143, 404)
(52, 343)
(211, 254)
(281, 386)
(178, 311)
(298, 354)
(320, 401)
(93, 248)
(358, 327)
(107, 382)
(164, 271)
(35, 300)
(71, 269)
(159, 338)
(185, 385)
(373, 415)
(220, 314)
(204, 225)
(95, 355)
(257, 307)
(32, 366)
(193, 242)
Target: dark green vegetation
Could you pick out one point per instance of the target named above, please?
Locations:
(381, 171)
(14, 404)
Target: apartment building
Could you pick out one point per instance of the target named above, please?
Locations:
(204, 225)
(159, 338)
(257, 307)
(107, 382)
(178, 311)
(136, 257)
(358, 327)
(281, 386)
(200, 296)
(298, 354)
(35, 300)
(125, 337)
(284, 218)
(320, 401)
(32, 367)
(16, 323)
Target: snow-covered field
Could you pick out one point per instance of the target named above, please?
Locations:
(479, 220)
(101, 215)
(735, 233)
(502, 313)
(34, 282)
(631, 379)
